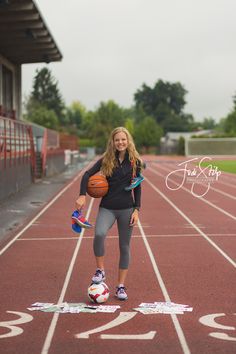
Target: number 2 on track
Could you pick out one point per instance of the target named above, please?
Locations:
(122, 318)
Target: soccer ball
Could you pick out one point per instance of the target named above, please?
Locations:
(98, 293)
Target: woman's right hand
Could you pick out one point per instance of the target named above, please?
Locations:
(80, 202)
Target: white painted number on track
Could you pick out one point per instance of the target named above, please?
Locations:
(122, 318)
(11, 325)
(210, 321)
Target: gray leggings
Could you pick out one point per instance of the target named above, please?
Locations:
(104, 222)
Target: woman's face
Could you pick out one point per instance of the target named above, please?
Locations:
(120, 141)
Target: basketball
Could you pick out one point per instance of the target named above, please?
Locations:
(98, 293)
(97, 186)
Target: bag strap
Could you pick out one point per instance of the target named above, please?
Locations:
(132, 165)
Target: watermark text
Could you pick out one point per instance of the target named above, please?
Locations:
(197, 174)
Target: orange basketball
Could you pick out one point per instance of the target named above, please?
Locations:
(97, 186)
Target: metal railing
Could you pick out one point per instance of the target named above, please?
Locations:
(16, 144)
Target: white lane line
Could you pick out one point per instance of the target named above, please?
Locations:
(107, 238)
(41, 212)
(174, 318)
(202, 199)
(230, 260)
(211, 188)
(227, 184)
(229, 176)
(113, 236)
(53, 323)
(48, 239)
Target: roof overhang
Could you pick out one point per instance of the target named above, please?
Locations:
(24, 35)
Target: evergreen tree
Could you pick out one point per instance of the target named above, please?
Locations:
(45, 93)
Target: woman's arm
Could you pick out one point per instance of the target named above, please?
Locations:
(137, 196)
(137, 204)
(134, 217)
(80, 202)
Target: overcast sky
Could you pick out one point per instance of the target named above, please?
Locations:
(111, 47)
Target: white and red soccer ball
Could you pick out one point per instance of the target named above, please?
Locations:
(98, 293)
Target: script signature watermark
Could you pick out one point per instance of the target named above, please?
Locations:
(198, 174)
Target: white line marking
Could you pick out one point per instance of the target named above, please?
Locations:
(223, 336)
(146, 336)
(174, 318)
(11, 324)
(121, 318)
(223, 193)
(41, 212)
(230, 260)
(116, 236)
(107, 238)
(202, 199)
(209, 320)
(53, 324)
(47, 239)
(227, 184)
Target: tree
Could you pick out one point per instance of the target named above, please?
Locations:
(208, 123)
(45, 93)
(181, 146)
(107, 117)
(148, 133)
(44, 117)
(162, 94)
(165, 103)
(87, 126)
(129, 125)
(178, 123)
(75, 114)
(230, 123)
(234, 101)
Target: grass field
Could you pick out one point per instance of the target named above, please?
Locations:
(223, 165)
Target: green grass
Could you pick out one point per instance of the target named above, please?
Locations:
(223, 165)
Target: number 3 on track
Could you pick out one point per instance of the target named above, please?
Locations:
(11, 325)
(210, 321)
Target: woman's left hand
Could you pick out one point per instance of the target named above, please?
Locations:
(134, 218)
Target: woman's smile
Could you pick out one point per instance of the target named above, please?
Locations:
(120, 141)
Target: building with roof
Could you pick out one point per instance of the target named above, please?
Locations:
(170, 142)
(24, 38)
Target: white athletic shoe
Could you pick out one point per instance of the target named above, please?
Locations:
(99, 276)
(121, 293)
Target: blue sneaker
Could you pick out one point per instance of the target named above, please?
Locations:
(75, 227)
(80, 220)
(135, 182)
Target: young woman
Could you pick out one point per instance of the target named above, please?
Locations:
(119, 163)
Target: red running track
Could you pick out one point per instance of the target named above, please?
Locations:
(183, 250)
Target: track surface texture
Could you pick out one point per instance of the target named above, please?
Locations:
(182, 250)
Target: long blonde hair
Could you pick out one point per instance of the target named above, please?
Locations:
(109, 161)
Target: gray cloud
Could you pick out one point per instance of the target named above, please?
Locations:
(111, 47)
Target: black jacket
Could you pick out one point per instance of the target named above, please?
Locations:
(117, 197)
